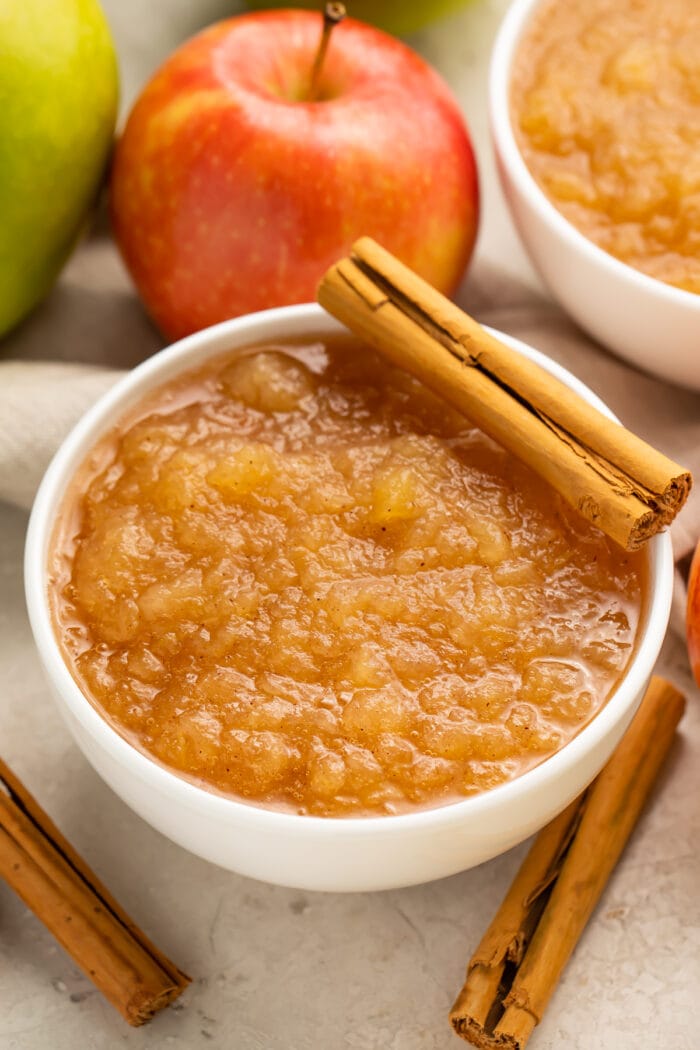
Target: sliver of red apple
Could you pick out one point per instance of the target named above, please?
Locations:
(693, 615)
(232, 191)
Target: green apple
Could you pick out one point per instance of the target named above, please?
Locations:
(58, 106)
(395, 16)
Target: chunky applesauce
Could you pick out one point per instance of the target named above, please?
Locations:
(300, 579)
(606, 110)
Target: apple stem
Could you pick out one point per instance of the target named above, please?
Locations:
(333, 13)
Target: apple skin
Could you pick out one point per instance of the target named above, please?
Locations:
(232, 194)
(692, 620)
(58, 107)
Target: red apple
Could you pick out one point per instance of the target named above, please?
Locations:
(692, 622)
(232, 192)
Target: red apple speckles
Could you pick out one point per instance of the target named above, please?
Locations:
(231, 194)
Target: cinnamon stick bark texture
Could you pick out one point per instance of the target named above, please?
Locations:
(515, 969)
(46, 872)
(614, 479)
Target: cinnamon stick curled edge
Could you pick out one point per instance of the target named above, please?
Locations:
(514, 971)
(613, 478)
(53, 880)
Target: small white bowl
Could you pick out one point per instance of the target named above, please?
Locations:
(366, 853)
(654, 325)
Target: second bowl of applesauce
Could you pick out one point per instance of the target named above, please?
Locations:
(299, 592)
(606, 109)
(595, 117)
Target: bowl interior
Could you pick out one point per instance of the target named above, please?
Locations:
(307, 321)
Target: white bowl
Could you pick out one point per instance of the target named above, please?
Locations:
(654, 325)
(316, 853)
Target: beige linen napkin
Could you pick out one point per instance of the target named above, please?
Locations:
(39, 403)
(95, 317)
(65, 356)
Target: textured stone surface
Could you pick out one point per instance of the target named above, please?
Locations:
(277, 969)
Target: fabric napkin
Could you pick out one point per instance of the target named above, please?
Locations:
(39, 403)
(57, 365)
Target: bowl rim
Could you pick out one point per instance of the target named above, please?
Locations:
(304, 319)
(512, 27)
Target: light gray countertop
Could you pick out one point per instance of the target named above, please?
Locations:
(278, 969)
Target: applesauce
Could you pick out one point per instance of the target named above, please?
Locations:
(606, 112)
(298, 578)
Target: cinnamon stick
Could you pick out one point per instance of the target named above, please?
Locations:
(613, 478)
(514, 971)
(56, 883)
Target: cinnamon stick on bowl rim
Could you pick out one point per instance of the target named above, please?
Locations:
(56, 883)
(613, 478)
(515, 969)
